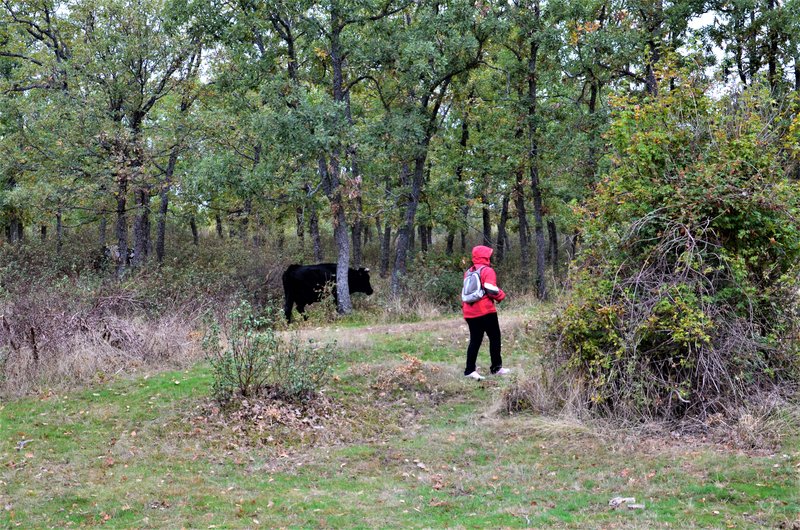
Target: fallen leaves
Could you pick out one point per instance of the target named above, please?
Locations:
(271, 422)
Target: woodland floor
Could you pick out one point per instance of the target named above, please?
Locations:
(400, 440)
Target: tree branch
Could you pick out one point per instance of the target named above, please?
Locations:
(18, 56)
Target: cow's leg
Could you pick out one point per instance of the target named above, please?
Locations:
(302, 310)
(287, 308)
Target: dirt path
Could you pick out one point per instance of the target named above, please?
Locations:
(447, 329)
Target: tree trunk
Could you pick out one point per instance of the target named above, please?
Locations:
(218, 223)
(462, 142)
(487, 225)
(423, 238)
(59, 231)
(355, 184)
(753, 47)
(300, 229)
(140, 227)
(451, 238)
(591, 166)
(101, 231)
(260, 229)
(163, 207)
(313, 228)
(357, 231)
(330, 169)
(522, 220)
(553, 235)
(43, 233)
(14, 230)
(122, 223)
(772, 50)
(407, 228)
(533, 160)
(574, 244)
(797, 89)
(655, 22)
(281, 236)
(341, 236)
(195, 234)
(148, 231)
(797, 74)
(244, 222)
(386, 243)
(502, 237)
(161, 227)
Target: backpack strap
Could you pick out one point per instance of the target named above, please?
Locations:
(478, 270)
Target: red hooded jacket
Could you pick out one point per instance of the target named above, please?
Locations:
(484, 306)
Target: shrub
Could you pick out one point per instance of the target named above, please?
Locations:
(299, 370)
(325, 310)
(249, 358)
(77, 332)
(436, 279)
(684, 302)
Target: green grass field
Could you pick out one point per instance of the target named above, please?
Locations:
(428, 454)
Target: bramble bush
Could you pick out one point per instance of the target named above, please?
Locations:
(683, 306)
(250, 359)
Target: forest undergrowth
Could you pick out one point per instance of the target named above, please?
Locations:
(397, 437)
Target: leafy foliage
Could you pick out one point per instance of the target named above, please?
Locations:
(437, 279)
(683, 306)
(249, 358)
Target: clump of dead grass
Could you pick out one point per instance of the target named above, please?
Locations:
(412, 374)
(408, 309)
(557, 404)
(51, 341)
(274, 422)
(270, 421)
(411, 380)
(764, 423)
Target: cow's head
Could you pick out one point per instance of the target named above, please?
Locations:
(359, 281)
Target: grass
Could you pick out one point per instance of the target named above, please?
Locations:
(125, 456)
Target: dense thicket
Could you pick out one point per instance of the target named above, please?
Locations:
(685, 301)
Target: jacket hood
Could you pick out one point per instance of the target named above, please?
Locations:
(481, 255)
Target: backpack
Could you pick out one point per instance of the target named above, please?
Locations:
(472, 290)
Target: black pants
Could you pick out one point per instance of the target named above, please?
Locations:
(477, 327)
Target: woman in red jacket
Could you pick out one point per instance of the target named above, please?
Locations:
(481, 316)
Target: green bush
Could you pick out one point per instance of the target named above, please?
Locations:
(437, 279)
(683, 305)
(250, 359)
(325, 309)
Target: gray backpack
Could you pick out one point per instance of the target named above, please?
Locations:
(472, 291)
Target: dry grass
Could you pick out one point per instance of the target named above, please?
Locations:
(50, 345)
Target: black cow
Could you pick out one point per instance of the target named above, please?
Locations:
(303, 284)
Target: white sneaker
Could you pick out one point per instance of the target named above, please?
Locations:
(502, 371)
(476, 376)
